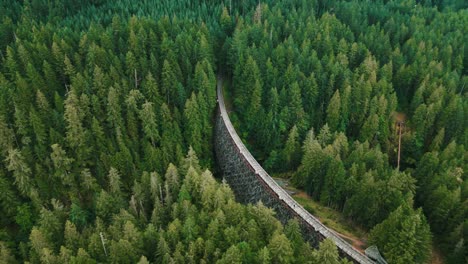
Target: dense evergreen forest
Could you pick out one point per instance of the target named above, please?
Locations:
(105, 110)
(106, 135)
(320, 96)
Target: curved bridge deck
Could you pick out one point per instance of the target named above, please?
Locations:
(251, 184)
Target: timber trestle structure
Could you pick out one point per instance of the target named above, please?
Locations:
(251, 184)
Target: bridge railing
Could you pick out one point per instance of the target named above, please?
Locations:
(312, 221)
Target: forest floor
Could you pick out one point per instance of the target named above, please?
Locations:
(331, 218)
(436, 256)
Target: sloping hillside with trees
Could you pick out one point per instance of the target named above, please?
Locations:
(98, 108)
(106, 127)
(322, 91)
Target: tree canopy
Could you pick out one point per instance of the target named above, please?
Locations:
(337, 77)
(106, 127)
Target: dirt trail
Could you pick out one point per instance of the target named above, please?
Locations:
(356, 242)
(436, 256)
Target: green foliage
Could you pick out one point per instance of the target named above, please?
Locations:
(78, 216)
(292, 149)
(327, 253)
(6, 255)
(280, 249)
(210, 228)
(403, 237)
(345, 71)
(24, 218)
(99, 98)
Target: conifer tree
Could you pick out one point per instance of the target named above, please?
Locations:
(292, 149)
(16, 163)
(334, 111)
(408, 236)
(149, 125)
(75, 131)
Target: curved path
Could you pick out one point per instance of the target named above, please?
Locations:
(253, 184)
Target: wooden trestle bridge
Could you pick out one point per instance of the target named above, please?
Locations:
(251, 184)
